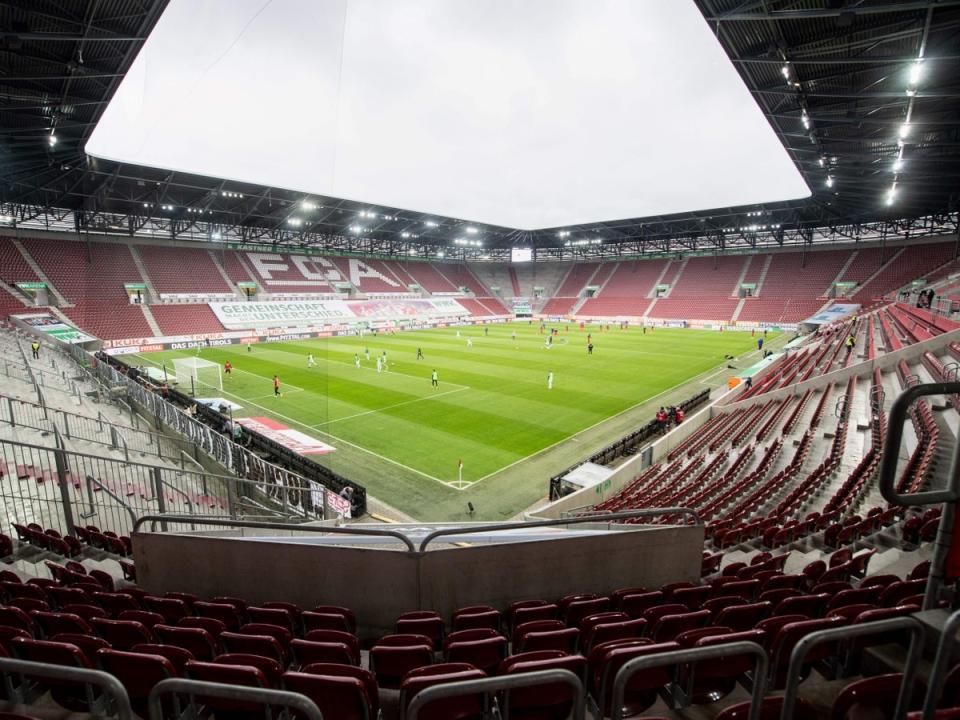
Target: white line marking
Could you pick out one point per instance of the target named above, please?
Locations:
(388, 407)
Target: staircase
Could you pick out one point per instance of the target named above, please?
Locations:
(739, 309)
(151, 321)
(652, 292)
(743, 273)
(13, 292)
(515, 282)
(223, 274)
(843, 270)
(880, 269)
(51, 290)
(763, 275)
(152, 295)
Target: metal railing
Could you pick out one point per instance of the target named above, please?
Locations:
(941, 664)
(599, 517)
(804, 645)
(948, 495)
(106, 683)
(497, 684)
(218, 522)
(52, 486)
(177, 687)
(688, 656)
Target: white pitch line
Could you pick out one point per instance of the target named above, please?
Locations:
(389, 407)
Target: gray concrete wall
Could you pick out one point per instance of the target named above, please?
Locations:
(380, 584)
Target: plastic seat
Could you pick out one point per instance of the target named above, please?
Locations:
(115, 603)
(746, 589)
(262, 645)
(213, 626)
(144, 617)
(68, 596)
(775, 596)
(338, 636)
(52, 623)
(546, 611)
(197, 640)
(740, 618)
(655, 613)
(643, 686)
(692, 597)
(177, 656)
(363, 675)
(89, 644)
(850, 612)
(242, 675)
(576, 610)
(521, 630)
(87, 612)
(138, 672)
(710, 680)
(171, 609)
(280, 634)
(770, 710)
(391, 663)
(426, 623)
(669, 626)
(226, 613)
(779, 582)
(345, 612)
(787, 638)
(475, 617)
(272, 616)
(72, 695)
(16, 618)
(484, 655)
(307, 652)
(325, 621)
(551, 700)
(239, 603)
(188, 598)
(812, 606)
(895, 592)
(29, 605)
(462, 707)
(881, 580)
(564, 640)
(9, 633)
(869, 697)
(509, 615)
(122, 634)
(605, 632)
(345, 698)
(469, 635)
(715, 605)
(854, 596)
(11, 590)
(636, 605)
(269, 667)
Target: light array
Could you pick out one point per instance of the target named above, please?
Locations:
(578, 243)
(470, 243)
(230, 194)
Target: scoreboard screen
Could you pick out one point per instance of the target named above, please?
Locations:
(521, 254)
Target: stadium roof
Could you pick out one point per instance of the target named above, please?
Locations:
(839, 82)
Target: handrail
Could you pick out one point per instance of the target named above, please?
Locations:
(106, 682)
(941, 663)
(891, 450)
(502, 682)
(800, 650)
(174, 686)
(494, 527)
(91, 480)
(948, 496)
(270, 526)
(678, 657)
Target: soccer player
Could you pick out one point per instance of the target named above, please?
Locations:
(379, 364)
(419, 354)
(310, 361)
(550, 380)
(486, 331)
(469, 342)
(356, 360)
(249, 347)
(366, 352)
(513, 335)
(385, 368)
(276, 386)
(759, 344)
(589, 348)
(227, 368)
(434, 379)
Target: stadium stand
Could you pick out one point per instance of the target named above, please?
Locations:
(624, 288)
(175, 319)
(182, 270)
(706, 289)
(793, 286)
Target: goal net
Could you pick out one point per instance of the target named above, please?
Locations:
(196, 373)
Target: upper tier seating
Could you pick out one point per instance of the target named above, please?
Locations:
(911, 263)
(186, 319)
(13, 267)
(428, 276)
(182, 270)
(627, 290)
(705, 290)
(230, 259)
(79, 278)
(794, 287)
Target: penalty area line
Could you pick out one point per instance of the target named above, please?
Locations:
(389, 407)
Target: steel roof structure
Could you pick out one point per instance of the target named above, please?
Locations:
(864, 94)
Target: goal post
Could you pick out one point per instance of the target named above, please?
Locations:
(196, 373)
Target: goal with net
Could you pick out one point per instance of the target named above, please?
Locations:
(196, 374)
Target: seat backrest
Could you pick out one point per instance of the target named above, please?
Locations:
(645, 680)
(362, 674)
(226, 613)
(545, 611)
(339, 697)
(728, 665)
(138, 672)
(555, 697)
(197, 640)
(177, 656)
(171, 609)
(243, 675)
(145, 617)
(431, 626)
(122, 634)
(521, 630)
(403, 640)
(306, 652)
(271, 668)
(742, 617)
(50, 652)
(469, 635)
(390, 664)
(313, 620)
(263, 645)
(475, 620)
(345, 612)
(789, 635)
(669, 626)
(272, 616)
(605, 632)
(462, 706)
(565, 640)
(692, 597)
(579, 609)
(213, 626)
(52, 623)
(812, 606)
(635, 605)
(484, 654)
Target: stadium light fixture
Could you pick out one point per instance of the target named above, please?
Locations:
(898, 165)
(916, 70)
(829, 181)
(805, 119)
(294, 221)
(308, 205)
(891, 194)
(6, 218)
(441, 254)
(472, 231)
(904, 131)
(216, 236)
(785, 71)
(356, 229)
(430, 223)
(822, 162)
(563, 233)
(405, 235)
(52, 139)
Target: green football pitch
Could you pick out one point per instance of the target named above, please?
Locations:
(403, 439)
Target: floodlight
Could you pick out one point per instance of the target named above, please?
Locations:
(915, 71)
(829, 181)
(904, 131)
(472, 231)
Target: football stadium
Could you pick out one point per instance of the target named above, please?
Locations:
(480, 360)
